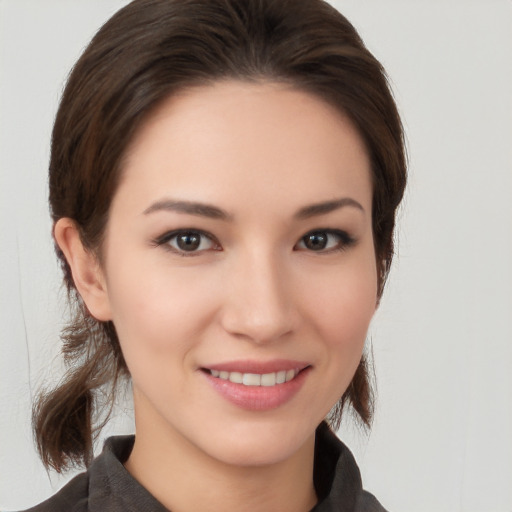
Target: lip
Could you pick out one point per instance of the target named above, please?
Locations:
(258, 398)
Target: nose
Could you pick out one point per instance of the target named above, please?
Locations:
(259, 305)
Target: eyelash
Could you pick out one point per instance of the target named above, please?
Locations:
(344, 242)
(164, 241)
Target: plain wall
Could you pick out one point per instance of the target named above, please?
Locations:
(442, 338)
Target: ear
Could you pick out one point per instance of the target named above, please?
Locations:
(85, 269)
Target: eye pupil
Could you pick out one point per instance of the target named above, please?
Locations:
(188, 241)
(315, 241)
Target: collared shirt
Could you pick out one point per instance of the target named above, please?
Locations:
(108, 486)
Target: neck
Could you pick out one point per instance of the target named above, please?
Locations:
(184, 478)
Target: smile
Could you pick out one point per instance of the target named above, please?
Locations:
(257, 385)
(256, 379)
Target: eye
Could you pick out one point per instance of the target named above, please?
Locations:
(326, 240)
(187, 242)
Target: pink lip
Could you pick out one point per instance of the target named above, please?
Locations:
(258, 398)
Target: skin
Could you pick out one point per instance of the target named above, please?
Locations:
(253, 291)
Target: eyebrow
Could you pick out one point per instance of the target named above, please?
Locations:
(327, 207)
(213, 212)
(188, 207)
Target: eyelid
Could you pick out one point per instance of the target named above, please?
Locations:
(163, 241)
(345, 240)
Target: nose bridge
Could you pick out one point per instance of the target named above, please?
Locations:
(259, 305)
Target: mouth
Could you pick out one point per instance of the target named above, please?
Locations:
(256, 385)
(256, 379)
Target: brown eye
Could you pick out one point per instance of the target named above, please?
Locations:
(325, 241)
(316, 241)
(188, 241)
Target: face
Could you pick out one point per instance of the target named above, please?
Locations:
(239, 268)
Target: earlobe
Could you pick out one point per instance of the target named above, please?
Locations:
(85, 269)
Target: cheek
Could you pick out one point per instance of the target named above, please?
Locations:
(347, 295)
(155, 309)
(341, 308)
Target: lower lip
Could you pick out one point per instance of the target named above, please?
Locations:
(258, 398)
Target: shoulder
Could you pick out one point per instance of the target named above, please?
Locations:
(73, 497)
(368, 503)
(106, 485)
(337, 477)
(102, 487)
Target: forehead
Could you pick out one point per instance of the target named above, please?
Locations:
(247, 143)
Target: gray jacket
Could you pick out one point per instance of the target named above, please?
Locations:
(108, 487)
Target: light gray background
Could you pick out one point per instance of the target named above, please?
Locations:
(442, 439)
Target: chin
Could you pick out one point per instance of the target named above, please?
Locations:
(259, 443)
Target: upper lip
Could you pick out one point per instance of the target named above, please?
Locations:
(261, 367)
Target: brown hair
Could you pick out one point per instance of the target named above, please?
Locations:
(147, 51)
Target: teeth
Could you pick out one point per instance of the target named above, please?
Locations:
(251, 379)
(268, 379)
(290, 374)
(256, 379)
(236, 377)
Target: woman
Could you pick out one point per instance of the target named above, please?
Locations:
(223, 184)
